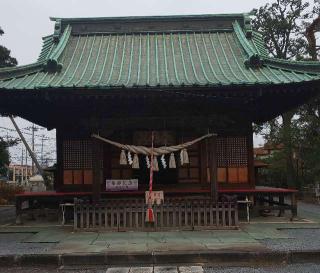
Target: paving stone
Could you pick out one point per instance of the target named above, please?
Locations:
(118, 270)
(141, 269)
(165, 269)
(49, 236)
(190, 269)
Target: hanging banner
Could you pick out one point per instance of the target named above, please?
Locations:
(121, 184)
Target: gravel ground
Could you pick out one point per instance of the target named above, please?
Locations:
(7, 215)
(12, 243)
(309, 210)
(293, 268)
(49, 270)
(301, 239)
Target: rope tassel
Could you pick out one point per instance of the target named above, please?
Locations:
(123, 158)
(185, 156)
(135, 163)
(172, 161)
(155, 164)
(181, 158)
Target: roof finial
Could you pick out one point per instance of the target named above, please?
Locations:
(57, 31)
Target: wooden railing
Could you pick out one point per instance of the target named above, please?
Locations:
(129, 214)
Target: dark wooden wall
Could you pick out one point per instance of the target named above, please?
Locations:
(234, 158)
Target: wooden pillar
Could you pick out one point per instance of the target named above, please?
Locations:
(18, 210)
(213, 167)
(58, 178)
(294, 205)
(203, 162)
(251, 173)
(96, 169)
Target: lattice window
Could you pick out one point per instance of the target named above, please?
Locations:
(232, 160)
(221, 152)
(237, 153)
(232, 151)
(77, 154)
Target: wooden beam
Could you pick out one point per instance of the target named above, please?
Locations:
(96, 169)
(213, 167)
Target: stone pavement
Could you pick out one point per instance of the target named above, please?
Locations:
(293, 268)
(262, 235)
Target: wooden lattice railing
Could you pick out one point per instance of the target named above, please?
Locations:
(129, 214)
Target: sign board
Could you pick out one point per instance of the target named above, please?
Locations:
(156, 197)
(121, 184)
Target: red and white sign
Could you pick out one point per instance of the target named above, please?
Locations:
(156, 197)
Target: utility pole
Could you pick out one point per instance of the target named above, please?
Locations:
(21, 168)
(27, 173)
(42, 139)
(7, 148)
(22, 156)
(34, 159)
(33, 129)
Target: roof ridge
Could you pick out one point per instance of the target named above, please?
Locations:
(152, 17)
(254, 59)
(52, 59)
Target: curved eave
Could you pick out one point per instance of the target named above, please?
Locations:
(299, 66)
(219, 86)
(19, 71)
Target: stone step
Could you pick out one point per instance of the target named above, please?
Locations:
(156, 269)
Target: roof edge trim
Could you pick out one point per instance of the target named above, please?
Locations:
(16, 71)
(52, 61)
(306, 66)
(254, 59)
(233, 16)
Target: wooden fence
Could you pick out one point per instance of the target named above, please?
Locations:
(129, 214)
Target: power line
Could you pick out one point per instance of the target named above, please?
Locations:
(27, 133)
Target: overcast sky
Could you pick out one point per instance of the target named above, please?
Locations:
(26, 21)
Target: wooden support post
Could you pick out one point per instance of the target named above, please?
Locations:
(59, 179)
(251, 173)
(294, 206)
(213, 168)
(18, 211)
(96, 169)
(281, 205)
(203, 161)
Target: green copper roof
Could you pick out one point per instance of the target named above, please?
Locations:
(88, 53)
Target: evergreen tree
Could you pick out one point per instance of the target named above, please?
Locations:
(5, 58)
(283, 25)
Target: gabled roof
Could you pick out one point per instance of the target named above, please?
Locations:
(158, 51)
